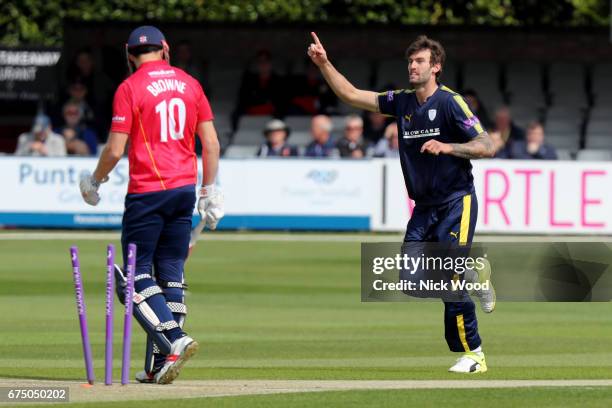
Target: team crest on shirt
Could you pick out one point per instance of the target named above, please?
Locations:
(432, 114)
(470, 122)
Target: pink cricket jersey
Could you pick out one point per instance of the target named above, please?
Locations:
(159, 107)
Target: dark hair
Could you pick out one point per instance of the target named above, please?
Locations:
(438, 56)
(534, 124)
(144, 49)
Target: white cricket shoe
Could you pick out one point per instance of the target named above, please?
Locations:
(470, 363)
(486, 297)
(145, 378)
(181, 351)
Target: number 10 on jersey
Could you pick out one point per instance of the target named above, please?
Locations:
(168, 112)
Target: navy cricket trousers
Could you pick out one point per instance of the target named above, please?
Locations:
(452, 223)
(159, 223)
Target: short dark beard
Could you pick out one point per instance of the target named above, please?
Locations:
(419, 84)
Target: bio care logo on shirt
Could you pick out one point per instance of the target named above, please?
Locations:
(414, 134)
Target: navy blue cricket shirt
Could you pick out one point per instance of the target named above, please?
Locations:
(445, 116)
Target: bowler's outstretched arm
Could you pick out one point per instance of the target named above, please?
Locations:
(346, 91)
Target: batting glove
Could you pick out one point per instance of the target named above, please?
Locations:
(210, 205)
(89, 188)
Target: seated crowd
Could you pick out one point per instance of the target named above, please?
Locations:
(353, 143)
(380, 138)
(73, 137)
(264, 92)
(75, 125)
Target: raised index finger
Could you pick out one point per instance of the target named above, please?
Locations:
(315, 38)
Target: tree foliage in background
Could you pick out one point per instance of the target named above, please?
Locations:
(39, 22)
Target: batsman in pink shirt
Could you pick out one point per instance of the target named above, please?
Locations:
(157, 112)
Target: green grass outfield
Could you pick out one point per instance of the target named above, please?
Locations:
(291, 310)
(580, 397)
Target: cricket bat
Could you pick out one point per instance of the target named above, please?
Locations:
(195, 233)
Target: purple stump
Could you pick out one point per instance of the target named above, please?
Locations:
(108, 355)
(129, 307)
(82, 312)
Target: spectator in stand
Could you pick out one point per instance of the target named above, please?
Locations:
(352, 144)
(388, 146)
(261, 91)
(322, 144)
(100, 88)
(507, 129)
(40, 141)
(99, 84)
(311, 94)
(477, 108)
(77, 93)
(533, 148)
(276, 133)
(184, 60)
(375, 125)
(80, 139)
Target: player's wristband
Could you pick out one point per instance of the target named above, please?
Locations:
(97, 183)
(208, 190)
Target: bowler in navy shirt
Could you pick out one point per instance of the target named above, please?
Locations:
(438, 136)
